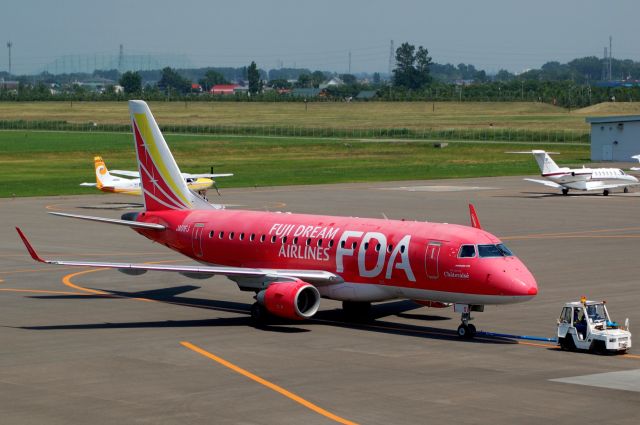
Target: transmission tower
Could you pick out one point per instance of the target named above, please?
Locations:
(9, 45)
(604, 65)
(610, 56)
(121, 58)
(391, 56)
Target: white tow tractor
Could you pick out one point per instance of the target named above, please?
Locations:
(586, 325)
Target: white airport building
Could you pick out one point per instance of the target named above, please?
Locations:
(615, 138)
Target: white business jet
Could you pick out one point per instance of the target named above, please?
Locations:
(564, 178)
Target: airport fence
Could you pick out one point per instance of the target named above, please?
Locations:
(463, 134)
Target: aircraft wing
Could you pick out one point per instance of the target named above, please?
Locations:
(317, 277)
(546, 183)
(125, 173)
(205, 176)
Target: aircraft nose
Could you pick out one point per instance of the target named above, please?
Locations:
(514, 279)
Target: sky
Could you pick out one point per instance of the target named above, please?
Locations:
(492, 34)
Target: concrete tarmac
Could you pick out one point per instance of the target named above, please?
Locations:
(82, 346)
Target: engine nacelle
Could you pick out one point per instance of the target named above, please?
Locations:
(432, 304)
(290, 300)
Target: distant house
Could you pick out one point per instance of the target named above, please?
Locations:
(196, 88)
(224, 88)
(333, 82)
(9, 85)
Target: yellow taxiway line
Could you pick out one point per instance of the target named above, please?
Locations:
(267, 384)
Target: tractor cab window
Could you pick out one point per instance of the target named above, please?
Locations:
(467, 251)
(565, 316)
(499, 250)
(596, 312)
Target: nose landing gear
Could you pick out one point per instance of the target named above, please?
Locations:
(466, 330)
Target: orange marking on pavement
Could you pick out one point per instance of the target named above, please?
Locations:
(534, 344)
(40, 291)
(67, 281)
(267, 384)
(631, 356)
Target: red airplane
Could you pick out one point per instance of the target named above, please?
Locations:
(290, 260)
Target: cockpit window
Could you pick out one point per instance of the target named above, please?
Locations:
(498, 250)
(467, 251)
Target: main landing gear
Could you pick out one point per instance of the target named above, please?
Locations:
(605, 192)
(565, 191)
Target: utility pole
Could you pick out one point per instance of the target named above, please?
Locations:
(9, 45)
(349, 62)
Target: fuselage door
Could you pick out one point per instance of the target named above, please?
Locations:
(196, 241)
(431, 259)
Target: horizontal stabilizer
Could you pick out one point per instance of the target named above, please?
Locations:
(125, 173)
(88, 184)
(206, 176)
(546, 183)
(135, 224)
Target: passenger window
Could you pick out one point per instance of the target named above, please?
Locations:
(319, 242)
(221, 235)
(262, 238)
(273, 239)
(308, 241)
(252, 237)
(284, 239)
(390, 248)
(331, 243)
(231, 235)
(211, 233)
(295, 240)
(467, 251)
(366, 246)
(242, 236)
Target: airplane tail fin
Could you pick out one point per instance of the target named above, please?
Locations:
(102, 173)
(546, 164)
(163, 187)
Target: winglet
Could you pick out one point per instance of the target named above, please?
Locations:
(474, 217)
(32, 251)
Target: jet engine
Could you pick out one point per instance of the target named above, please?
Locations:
(296, 300)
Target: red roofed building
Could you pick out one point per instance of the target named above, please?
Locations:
(223, 89)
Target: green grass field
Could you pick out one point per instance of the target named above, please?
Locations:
(55, 163)
(413, 115)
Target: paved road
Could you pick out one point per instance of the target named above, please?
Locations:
(100, 347)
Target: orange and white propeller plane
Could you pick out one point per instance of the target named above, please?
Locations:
(108, 180)
(290, 260)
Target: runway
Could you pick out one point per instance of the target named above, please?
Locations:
(84, 346)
